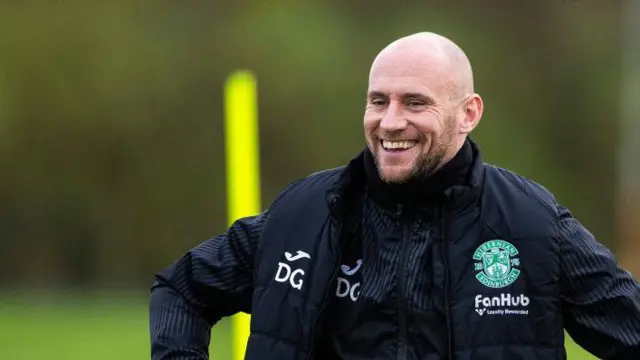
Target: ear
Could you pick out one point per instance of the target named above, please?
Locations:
(472, 113)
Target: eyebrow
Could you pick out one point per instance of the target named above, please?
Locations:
(373, 94)
(426, 98)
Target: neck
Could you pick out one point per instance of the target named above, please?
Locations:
(419, 191)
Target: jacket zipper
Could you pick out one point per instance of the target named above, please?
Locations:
(327, 293)
(447, 285)
(402, 306)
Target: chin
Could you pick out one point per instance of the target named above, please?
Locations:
(394, 176)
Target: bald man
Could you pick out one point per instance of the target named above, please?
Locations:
(415, 249)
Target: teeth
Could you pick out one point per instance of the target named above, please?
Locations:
(398, 144)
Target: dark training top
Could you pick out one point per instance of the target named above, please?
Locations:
(475, 262)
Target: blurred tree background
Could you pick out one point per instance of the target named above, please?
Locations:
(111, 143)
(111, 121)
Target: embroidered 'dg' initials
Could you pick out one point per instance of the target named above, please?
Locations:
(286, 273)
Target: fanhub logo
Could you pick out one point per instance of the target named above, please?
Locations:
(504, 304)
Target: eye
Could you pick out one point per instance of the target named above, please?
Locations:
(378, 102)
(415, 103)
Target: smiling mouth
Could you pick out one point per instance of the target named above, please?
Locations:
(397, 146)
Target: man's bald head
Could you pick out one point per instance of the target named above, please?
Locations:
(434, 54)
(420, 106)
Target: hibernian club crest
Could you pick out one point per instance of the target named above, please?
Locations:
(497, 263)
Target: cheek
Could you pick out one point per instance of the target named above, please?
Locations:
(429, 124)
(450, 126)
(371, 122)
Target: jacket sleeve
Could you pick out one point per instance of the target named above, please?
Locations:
(210, 281)
(601, 301)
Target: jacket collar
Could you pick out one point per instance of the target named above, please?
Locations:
(353, 180)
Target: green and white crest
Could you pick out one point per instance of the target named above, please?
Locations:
(497, 263)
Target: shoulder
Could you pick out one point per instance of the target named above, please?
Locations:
(519, 197)
(312, 185)
(522, 188)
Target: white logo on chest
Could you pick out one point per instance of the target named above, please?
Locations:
(286, 273)
(346, 288)
(504, 304)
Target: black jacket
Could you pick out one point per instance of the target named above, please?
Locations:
(515, 267)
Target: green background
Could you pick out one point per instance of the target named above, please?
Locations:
(111, 122)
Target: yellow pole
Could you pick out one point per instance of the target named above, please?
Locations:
(242, 170)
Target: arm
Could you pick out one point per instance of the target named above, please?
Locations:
(211, 281)
(600, 300)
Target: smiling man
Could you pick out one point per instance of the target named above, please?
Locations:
(416, 249)
(413, 123)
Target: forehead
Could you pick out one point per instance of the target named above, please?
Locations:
(398, 73)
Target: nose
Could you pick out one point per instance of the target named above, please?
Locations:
(392, 120)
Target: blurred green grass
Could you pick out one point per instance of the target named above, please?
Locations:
(97, 328)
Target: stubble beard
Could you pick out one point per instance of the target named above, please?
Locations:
(427, 163)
